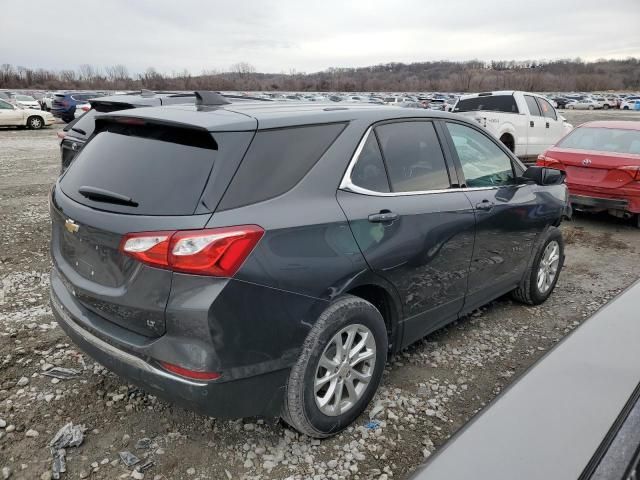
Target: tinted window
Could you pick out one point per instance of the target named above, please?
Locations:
(163, 177)
(603, 140)
(532, 105)
(369, 171)
(276, 161)
(413, 156)
(547, 109)
(483, 162)
(5, 106)
(85, 124)
(490, 103)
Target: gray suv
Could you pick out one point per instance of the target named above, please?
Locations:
(264, 259)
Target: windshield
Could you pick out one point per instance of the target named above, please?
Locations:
(615, 140)
(25, 98)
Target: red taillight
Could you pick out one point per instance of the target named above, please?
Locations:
(632, 170)
(61, 134)
(184, 372)
(85, 108)
(544, 161)
(214, 251)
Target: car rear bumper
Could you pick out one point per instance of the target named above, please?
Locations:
(623, 201)
(220, 398)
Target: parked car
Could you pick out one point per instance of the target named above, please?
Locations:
(630, 103)
(14, 116)
(64, 104)
(210, 279)
(575, 414)
(525, 122)
(81, 109)
(46, 102)
(437, 104)
(602, 164)
(584, 104)
(561, 102)
(25, 101)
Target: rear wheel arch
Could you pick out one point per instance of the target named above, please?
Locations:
(387, 305)
(509, 141)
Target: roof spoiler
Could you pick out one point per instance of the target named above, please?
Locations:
(205, 98)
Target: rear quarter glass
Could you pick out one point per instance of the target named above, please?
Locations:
(162, 177)
(277, 160)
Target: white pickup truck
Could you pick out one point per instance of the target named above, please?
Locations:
(525, 122)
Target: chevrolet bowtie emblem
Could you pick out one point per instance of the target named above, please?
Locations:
(71, 226)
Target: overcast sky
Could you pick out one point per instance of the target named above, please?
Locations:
(305, 35)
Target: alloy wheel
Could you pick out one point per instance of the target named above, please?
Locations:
(344, 370)
(548, 268)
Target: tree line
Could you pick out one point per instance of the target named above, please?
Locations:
(445, 76)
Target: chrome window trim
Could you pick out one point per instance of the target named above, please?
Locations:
(347, 185)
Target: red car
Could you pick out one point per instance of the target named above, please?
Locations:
(602, 163)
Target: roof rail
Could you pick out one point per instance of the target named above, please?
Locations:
(205, 98)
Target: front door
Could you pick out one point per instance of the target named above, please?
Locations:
(413, 227)
(507, 214)
(9, 115)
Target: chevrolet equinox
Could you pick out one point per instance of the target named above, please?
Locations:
(264, 259)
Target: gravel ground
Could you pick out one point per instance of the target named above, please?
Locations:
(429, 390)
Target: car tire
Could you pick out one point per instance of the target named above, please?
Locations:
(35, 122)
(320, 359)
(591, 107)
(531, 291)
(625, 108)
(605, 106)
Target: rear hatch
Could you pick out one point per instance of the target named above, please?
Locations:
(587, 169)
(129, 177)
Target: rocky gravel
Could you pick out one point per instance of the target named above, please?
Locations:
(429, 390)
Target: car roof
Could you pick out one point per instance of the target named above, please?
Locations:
(264, 115)
(620, 124)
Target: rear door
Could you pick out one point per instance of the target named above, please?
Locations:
(413, 225)
(554, 128)
(508, 216)
(128, 180)
(537, 127)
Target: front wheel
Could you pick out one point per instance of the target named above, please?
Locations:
(591, 107)
(542, 275)
(35, 123)
(605, 106)
(339, 368)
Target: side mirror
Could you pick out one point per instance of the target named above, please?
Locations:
(544, 175)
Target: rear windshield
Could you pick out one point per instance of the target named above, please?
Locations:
(86, 124)
(162, 170)
(615, 140)
(489, 103)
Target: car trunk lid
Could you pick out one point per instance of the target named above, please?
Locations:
(608, 170)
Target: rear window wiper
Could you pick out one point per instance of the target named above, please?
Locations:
(101, 195)
(79, 130)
